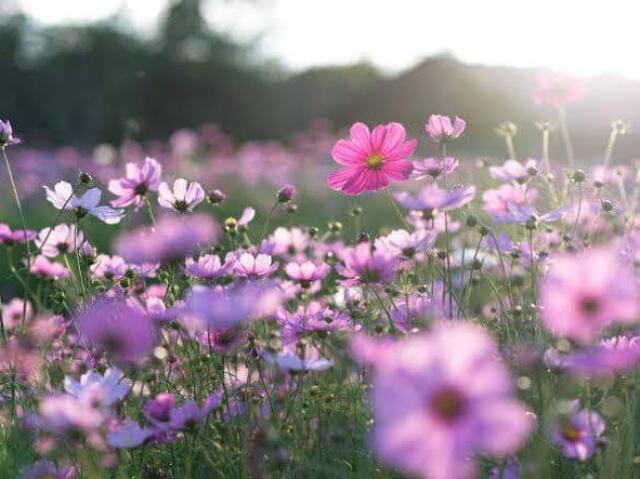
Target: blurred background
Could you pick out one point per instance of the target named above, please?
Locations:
(78, 72)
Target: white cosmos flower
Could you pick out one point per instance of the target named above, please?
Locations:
(62, 197)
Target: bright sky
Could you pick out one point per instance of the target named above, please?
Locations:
(584, 37)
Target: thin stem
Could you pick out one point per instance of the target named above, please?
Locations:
(510, 147)
(396, 208)
(150, 210)
(609, 151)
(564, 130)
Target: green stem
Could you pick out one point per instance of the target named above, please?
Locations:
(396, 208)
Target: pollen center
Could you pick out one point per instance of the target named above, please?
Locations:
(374, 161)
(448, 404)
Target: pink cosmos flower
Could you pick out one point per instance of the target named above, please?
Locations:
(289, 243)
(307, 272)
(583, 294)
(138, 181)
(129, 434)
(513, 170)
(496, 201)
(579, 433)
(44, 268)
(290, 360)
(255, 267)
(188, 414)
(45, 469)
(209, 266)
(6, 135)
(312, 318)
(440, 398)
(439, 128)
(9, 238)
(434, 168)
(432, 198)
(12, 313)
(371, 159)
(364, 266)
(112, 382)
(401, 243)
(59, 241)
(184, 197)
(558, 90)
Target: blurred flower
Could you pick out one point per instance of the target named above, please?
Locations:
(578, 434)
(307, 272)
(188, 414)
(41, 266)
(496, 201)
(113, 383)
(128, 434)
(132, 189)
(171, 239)
(440, 398)
(61, 240)
(558, 90)
(286, 193)
(513, 170)
(6, 134)
(434, 167)
(291, 361)
(432, 198)
(401, 243)
(184, 197)
(530, 216)
(439, 128)
(12, 313)
(371, 159)
(118, 329)
(45, 469)
(583, 294)
(62, 198)
(362, 266)
(9, 238)
(216, 197)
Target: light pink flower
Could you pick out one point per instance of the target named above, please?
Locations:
(496, 201)
(513, 170)
(558, 90)
(307, 272)
(138, 181)
(61, 240)
(364, 266)
(583, 294)
(41, 266)
(184, 197)
(255, 267)
(439, 128)
(209, 266)
(371, 159)
(434, 168)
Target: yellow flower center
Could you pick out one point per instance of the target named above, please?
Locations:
(570, 433)
(374, 161)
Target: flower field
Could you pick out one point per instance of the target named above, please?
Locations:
(333, 306)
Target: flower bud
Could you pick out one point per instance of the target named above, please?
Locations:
(286, 193)
(216, 197)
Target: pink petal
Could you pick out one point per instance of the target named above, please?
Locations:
(403, 151)
(346, 153)
(360, 136)
(375, 180)
(356, 184)
(338, 179)
(398, 170)
(394, 137)
(377, 137)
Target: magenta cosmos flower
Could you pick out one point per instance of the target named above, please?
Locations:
(578, 434)
(184, 197)
(439, 399)
(138, 181)
(583, 294)
(440, 128)
(371, 159)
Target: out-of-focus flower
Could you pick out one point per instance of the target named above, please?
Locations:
(209, 266)
(364, 266)
(513, 170)
(558, 90)
(128, 434)
(158, 410)
(579, 432)
(62, 198)
(118, 329)
(312, 318)
(12, 313)
(439, 399)
(371, 159)
(113, 383)
(41, 266)
(216, 197)
(289, 360)
(286, 193)
(583, 294)
(496, 201)
(434, 167)
(45, 469)
(170, 239)
(432, 198)
(6, 134)
(184, 197)
(530, 216)
(288, 242)
(413, 311)
(9, 238)
(401, 243)
(439, 128)
(138, 181)
(188, 414)
(255, 267)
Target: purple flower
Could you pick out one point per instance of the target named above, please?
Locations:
(216, 197)
(439, 128)
(113, 384)
(132, 189)
(44, 268)
(129, 434)
(188, 414)
(171, 239)
(9, 238)
(312, 318)
(255, 267)
(289, 360)
(184, 197)
(6, 134)
(432, 198)
(120, 330)
(45, 469)
(209, 266)
(578, 434)
(413, 311)
(158, 410)
(434, 168)
(401, 243)
(440, 398)
(363, 266)
(530, 216)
